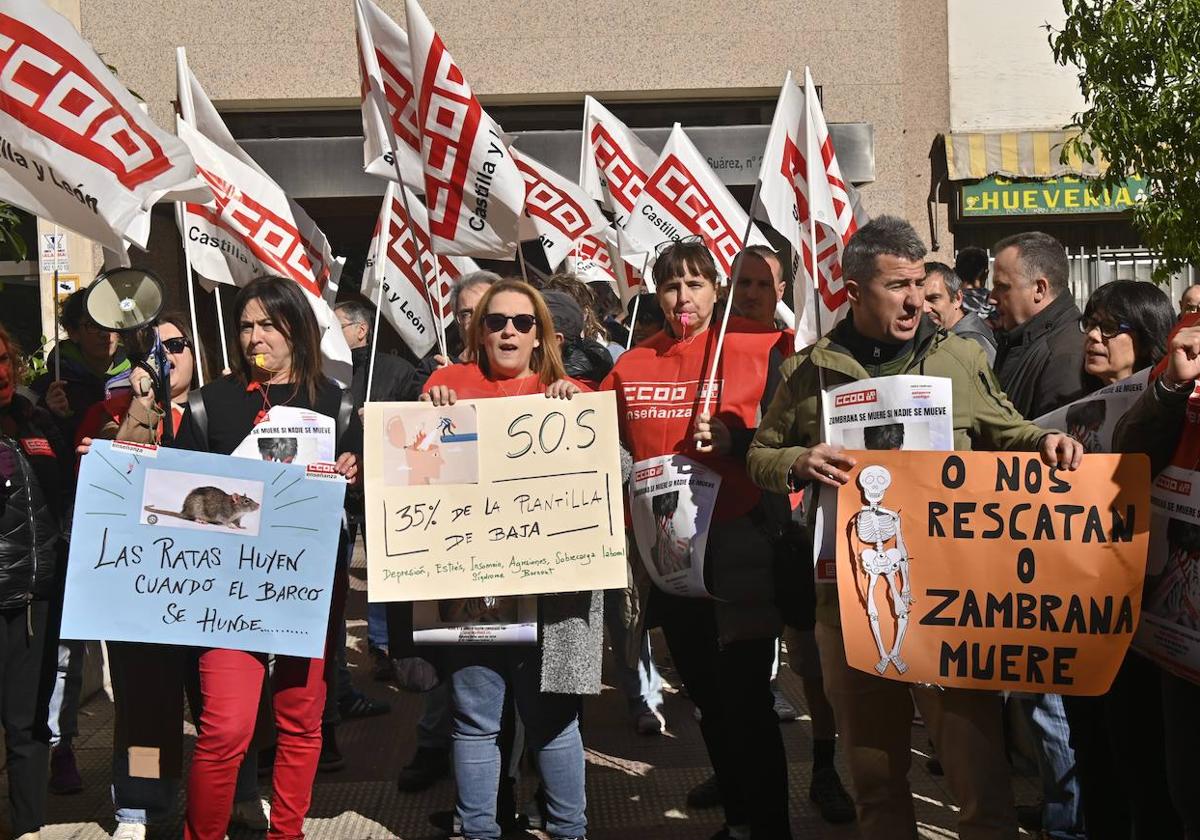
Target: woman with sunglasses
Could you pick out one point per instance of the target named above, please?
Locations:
(1118, 737)
(724, 649)
(514, 352)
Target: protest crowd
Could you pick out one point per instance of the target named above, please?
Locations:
(733, 367)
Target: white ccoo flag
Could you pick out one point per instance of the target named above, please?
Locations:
(799, 140)
(405, 264)
(76, 147)
(251, 227)
(613, 163)
(473, 191)
(596, 259)
(683, 197)
(561, 212)
(389, 102)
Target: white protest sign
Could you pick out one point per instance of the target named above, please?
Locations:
(671, 501)
(884, 412)
(53, 255)
(503, 496)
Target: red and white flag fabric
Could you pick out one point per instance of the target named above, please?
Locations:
(400, 259)
(560, 212)
(251, 227)
(596, 259)
(683, 197)
(614, 163)
(76, 147)
(473, 191)
(391, 133)
(199, 111)
(800, 175)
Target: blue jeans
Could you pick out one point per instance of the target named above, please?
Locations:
(480, 677)
(641, 685)
(377, 628)
(63, 711)
(1062, 811)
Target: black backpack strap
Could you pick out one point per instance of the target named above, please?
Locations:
(344, 415)
(199, 415)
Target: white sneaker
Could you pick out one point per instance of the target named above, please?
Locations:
(130, 831)
(254, 814)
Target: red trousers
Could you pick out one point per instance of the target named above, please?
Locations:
(230, 681)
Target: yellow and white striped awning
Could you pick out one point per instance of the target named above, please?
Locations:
(1015, 154)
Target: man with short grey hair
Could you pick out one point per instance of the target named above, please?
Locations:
(885, 334)
(464, 294)
(944, 305)
(1189, 301)
(1040, 359)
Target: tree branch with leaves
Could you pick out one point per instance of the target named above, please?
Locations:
(1139, 71)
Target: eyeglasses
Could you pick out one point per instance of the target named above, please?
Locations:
(464, 315)
(176, 345)
(661, 247)
(1108, 329)
(494, 322)
(1189, 308)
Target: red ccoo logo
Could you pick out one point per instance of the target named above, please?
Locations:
(46, 88)
(648, 473)
(856, 398)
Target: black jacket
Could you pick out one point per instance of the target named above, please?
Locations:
(394, 380)
(586, 360)
(32, 499)
(1040, 363)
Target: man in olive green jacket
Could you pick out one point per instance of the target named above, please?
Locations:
(885, 335)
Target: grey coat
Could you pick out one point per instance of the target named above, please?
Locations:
(975, 328)
(572, 642)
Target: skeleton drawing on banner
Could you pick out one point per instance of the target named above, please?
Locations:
(1173, 591)
(878, 526)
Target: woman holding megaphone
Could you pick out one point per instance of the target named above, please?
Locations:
(279, 365)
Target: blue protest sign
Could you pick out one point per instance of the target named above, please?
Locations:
(189, 548)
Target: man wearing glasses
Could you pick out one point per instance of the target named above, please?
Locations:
(1040, 367)
(1189, 301)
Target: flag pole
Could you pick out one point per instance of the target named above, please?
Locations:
(54, 304)
(737, 271)
(637, 301)
(381, 269)
(521, 263)
(812, 246)
(190, 282)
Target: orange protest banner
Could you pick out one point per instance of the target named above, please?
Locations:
(990, 570)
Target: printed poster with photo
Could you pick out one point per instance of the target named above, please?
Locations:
(671, 501)
(507, 619)
(882, 413)
(290, 435)
(201, 502)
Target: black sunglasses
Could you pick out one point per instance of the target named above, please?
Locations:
(495, 322)
(694, 239)
(1108, 329)
(176, 345)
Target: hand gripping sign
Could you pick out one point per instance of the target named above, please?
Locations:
(684, 197)
(473, 190)
(990, 570)
(75, 147)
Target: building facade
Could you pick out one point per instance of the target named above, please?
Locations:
(284, 74)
